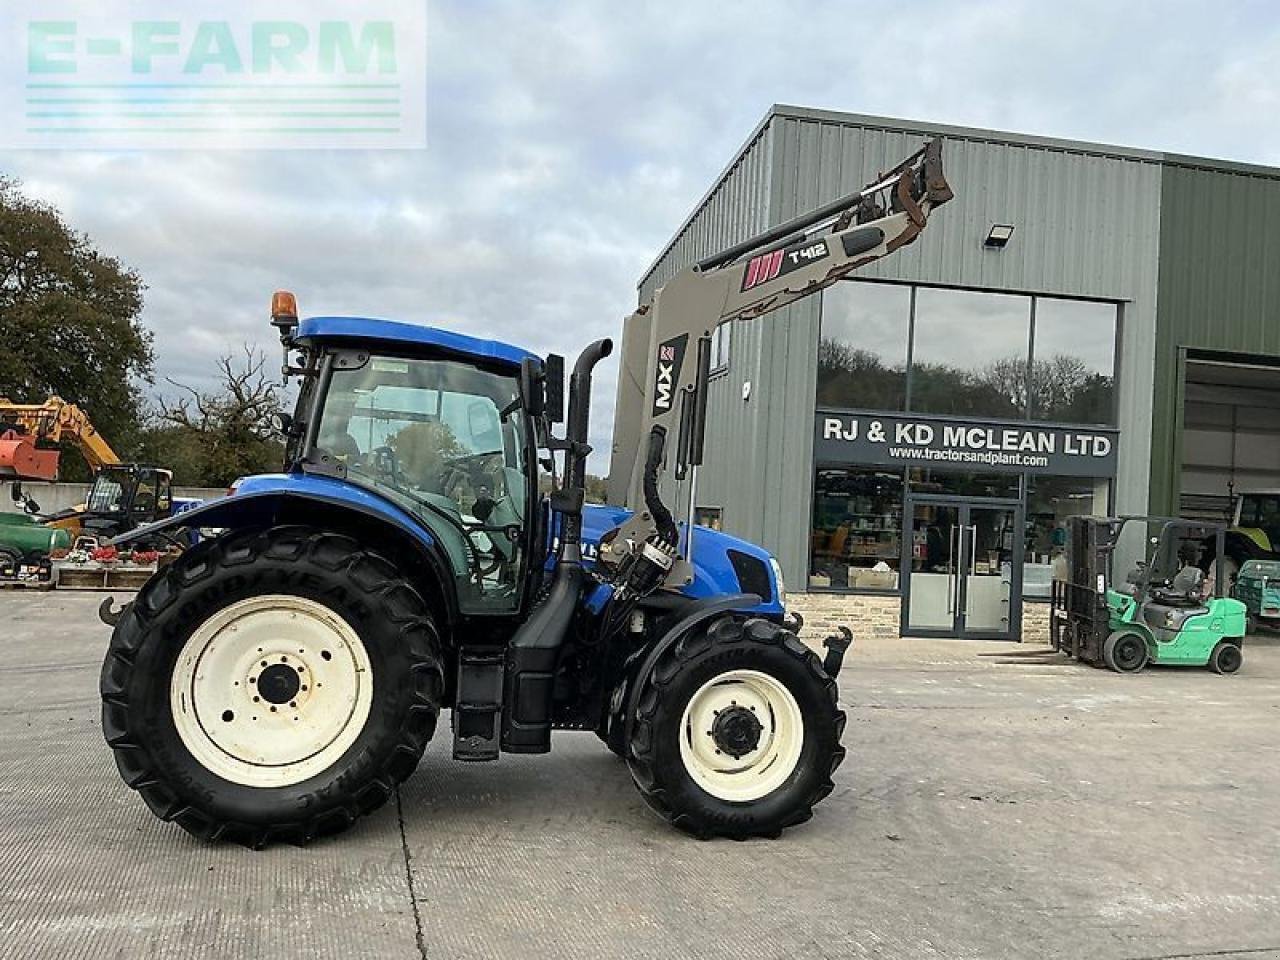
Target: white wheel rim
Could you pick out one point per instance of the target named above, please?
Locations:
(225, 695)
(760, 771)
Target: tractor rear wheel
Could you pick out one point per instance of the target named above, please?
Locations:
(736, 731)
(271, 685)
(1125, 651)
(1226, 657)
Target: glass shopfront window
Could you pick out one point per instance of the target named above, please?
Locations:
(862, 350)
(1002, 362)
(856, 540)
(970, 353)
(957, 483)
(1073, 367)
(1050, 500)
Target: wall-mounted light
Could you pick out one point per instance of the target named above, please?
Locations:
(998, 236)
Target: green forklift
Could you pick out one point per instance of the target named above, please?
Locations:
(1167, 611)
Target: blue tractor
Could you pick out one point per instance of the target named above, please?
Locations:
(420, 551)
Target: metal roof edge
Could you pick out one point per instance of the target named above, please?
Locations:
(931, 128)
(756, 134)
(1088, 147)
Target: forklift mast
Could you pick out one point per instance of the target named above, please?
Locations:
(771, 270)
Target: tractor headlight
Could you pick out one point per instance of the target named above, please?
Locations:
(777, 575)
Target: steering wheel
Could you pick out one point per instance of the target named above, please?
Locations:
(464, 467)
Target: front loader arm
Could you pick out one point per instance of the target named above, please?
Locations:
(776, 268)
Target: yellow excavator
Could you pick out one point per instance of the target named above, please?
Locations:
(123, 495)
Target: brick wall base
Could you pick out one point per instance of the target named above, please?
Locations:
(879, 617)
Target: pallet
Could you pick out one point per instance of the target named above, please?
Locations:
(103, 578)
(41, 585)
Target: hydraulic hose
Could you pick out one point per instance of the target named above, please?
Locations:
(662, 518)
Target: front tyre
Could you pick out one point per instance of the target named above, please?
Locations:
(736, 731)
(1125, 652)
(271, 685)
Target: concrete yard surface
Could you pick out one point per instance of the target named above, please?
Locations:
(998, 802)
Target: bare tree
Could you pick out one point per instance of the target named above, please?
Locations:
(214, 436)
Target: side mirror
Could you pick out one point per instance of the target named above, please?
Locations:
(15, 492)
(553, 373)
(31, 506)
(532, 392)
(282, 423)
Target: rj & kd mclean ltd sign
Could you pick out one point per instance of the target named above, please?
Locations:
(877, 439)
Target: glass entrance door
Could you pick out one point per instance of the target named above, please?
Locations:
(964, 568)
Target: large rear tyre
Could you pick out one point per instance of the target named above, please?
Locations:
(271, 685)
(1227, 569)
(736, 731)
(1125, 651)
(1226, 657)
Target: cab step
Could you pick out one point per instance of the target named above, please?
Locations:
(477, 715)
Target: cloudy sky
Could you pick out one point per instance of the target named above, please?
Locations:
(567, 139)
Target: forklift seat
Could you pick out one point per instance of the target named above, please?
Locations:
(1161, 615)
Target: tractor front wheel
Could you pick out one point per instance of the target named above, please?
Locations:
(271, 685)
(1226, 657)
(736, 731)
(1125, 652)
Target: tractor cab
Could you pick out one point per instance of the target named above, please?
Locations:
(444, 438)
(123, 496)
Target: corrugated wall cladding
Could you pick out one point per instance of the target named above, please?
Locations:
(1087, 222)
(1219, 289)
(734, 209)
(1084, 223)
(759, 449)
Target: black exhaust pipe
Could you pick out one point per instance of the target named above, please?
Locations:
(529, 680)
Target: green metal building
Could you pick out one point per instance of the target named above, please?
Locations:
(1085, 328)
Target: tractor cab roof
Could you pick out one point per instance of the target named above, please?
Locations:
(393, 333)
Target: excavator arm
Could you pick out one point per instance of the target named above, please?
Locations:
(30, 433)
(778, 267)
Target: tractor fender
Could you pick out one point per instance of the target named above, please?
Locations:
(700, 611)
(364, 515)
